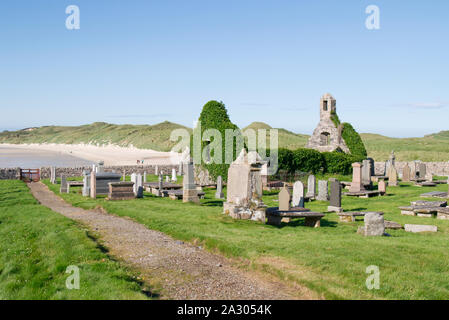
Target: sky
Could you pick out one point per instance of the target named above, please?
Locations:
(144, 62)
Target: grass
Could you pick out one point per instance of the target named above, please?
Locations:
(37, 245)
(330, 260)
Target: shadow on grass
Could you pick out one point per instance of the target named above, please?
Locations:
(213, 203)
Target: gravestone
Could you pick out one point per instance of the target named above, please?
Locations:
(160, 181)
(86, 183)
(392, 177)
(335, 197)
(139, 188)
(366, 172)
(422, 170)
(93, 184)
(373, 169)
(391, 162)
(374, 224)
(219, 193)
(311, 187)
(134, 179)
(298, 194)
(406, 173)
(356, 184)
(167, 179)
(63, 188)
(189, 192)
(174, 178)
(382, 186)
(156, 170)
(100, 167)
(284, 199)
(429, 176)
(323, 192)
(52, 175)
(145, 177)
(180, 169)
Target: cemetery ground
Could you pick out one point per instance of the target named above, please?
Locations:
(38, 244)
(331, 260)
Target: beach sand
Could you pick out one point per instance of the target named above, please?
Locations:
(111, 155)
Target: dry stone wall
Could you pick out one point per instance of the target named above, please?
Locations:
(436, 168)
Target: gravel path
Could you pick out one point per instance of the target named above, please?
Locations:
(181, 270)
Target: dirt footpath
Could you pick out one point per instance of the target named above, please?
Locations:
(178, 270)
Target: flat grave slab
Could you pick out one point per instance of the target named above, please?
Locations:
(416, 228)
(351, 216)
(435, 194)
(443, 213)
(426, 184)
(178, 194)
(312, 219)
(392, 225)
(364, 194)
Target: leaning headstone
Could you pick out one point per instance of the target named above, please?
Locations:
(63, 188)
(93, 184)
(374, 224)
(86, 183)
(366, 172)
(392, 177)
(323, 192)
(174, 178)
(219, 193)
(298, 194)
(284, 199)
(406, 173)
(311, 187)
(335, 197)
(356, 184)
(189, 192)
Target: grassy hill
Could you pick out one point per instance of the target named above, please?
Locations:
(434, 147)
(156, 137)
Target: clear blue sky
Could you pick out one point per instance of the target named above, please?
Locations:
(149, 61)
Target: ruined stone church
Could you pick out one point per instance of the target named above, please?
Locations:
(327, 135)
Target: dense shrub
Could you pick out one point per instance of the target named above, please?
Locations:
(215, 116)
(338, 162)
(353, 141)
(307, 160)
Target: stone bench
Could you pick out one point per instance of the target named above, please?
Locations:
(312, 219)
(351, 216)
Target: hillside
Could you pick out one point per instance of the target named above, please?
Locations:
(434, 147)
(156, 137)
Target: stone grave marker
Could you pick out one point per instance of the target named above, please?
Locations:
(406, 173)
(311, 187)
(323, 192)
(93, 184)
(189, 192)
(335, 197)
(284, 199)
(52, 175)
(219, 193)
(174, 178)
(374, 224)
(86, 183)
(356, 184)
(298, 194)
(63, 188)
(392, 177)
(366, 172)
(382, 186)
(139, 187)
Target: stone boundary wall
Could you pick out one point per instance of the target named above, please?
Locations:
(14, 173)
(436, 168)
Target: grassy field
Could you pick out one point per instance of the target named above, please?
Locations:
(37, 245)
(330, 260)
(433, 147)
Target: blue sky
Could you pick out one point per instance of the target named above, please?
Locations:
(148, 61)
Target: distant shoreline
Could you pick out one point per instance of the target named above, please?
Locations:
(111, 155)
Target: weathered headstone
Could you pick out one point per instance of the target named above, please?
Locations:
(374, 224)
(323, 192)
(93, 184)
(366, 172)
(335, 197)
(139, 188)
(219, 193)
(145, 177)
(86, 183)
(189, 192)
(298, 194)
(391, 162)
(311, 187)
(382, 186)
(422, 170)
(356, 184)
(63, 188)
(284, 199)
(134, 179)
(373, 169)
(160, 181)
(174, 178)
(392, 177)
(156, 170)
(180, 169)
(406, 173)
(100, 167)
(52, 175)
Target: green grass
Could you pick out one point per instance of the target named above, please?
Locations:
(37, 245)
(330, 260)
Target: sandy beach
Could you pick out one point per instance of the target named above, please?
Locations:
(112, 155)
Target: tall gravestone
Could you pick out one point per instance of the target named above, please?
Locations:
(406, 173)
(372, 166)
(52, 175)
(160, 182)
(100, 167)
(323, 192)
(180, 169)
(174, 178)
(335, 197)
(356, 184)
(93, 184)
(145, 177)
(366, 173)
(156, 170)
(298, 194)
(219, 193)
(63, 188)
(391, 162)
(189, 192)
(86, 183)
(134, 179)
(422, 170)
(392, 177)
(284, 199)
(139, 188)
(311, 187)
